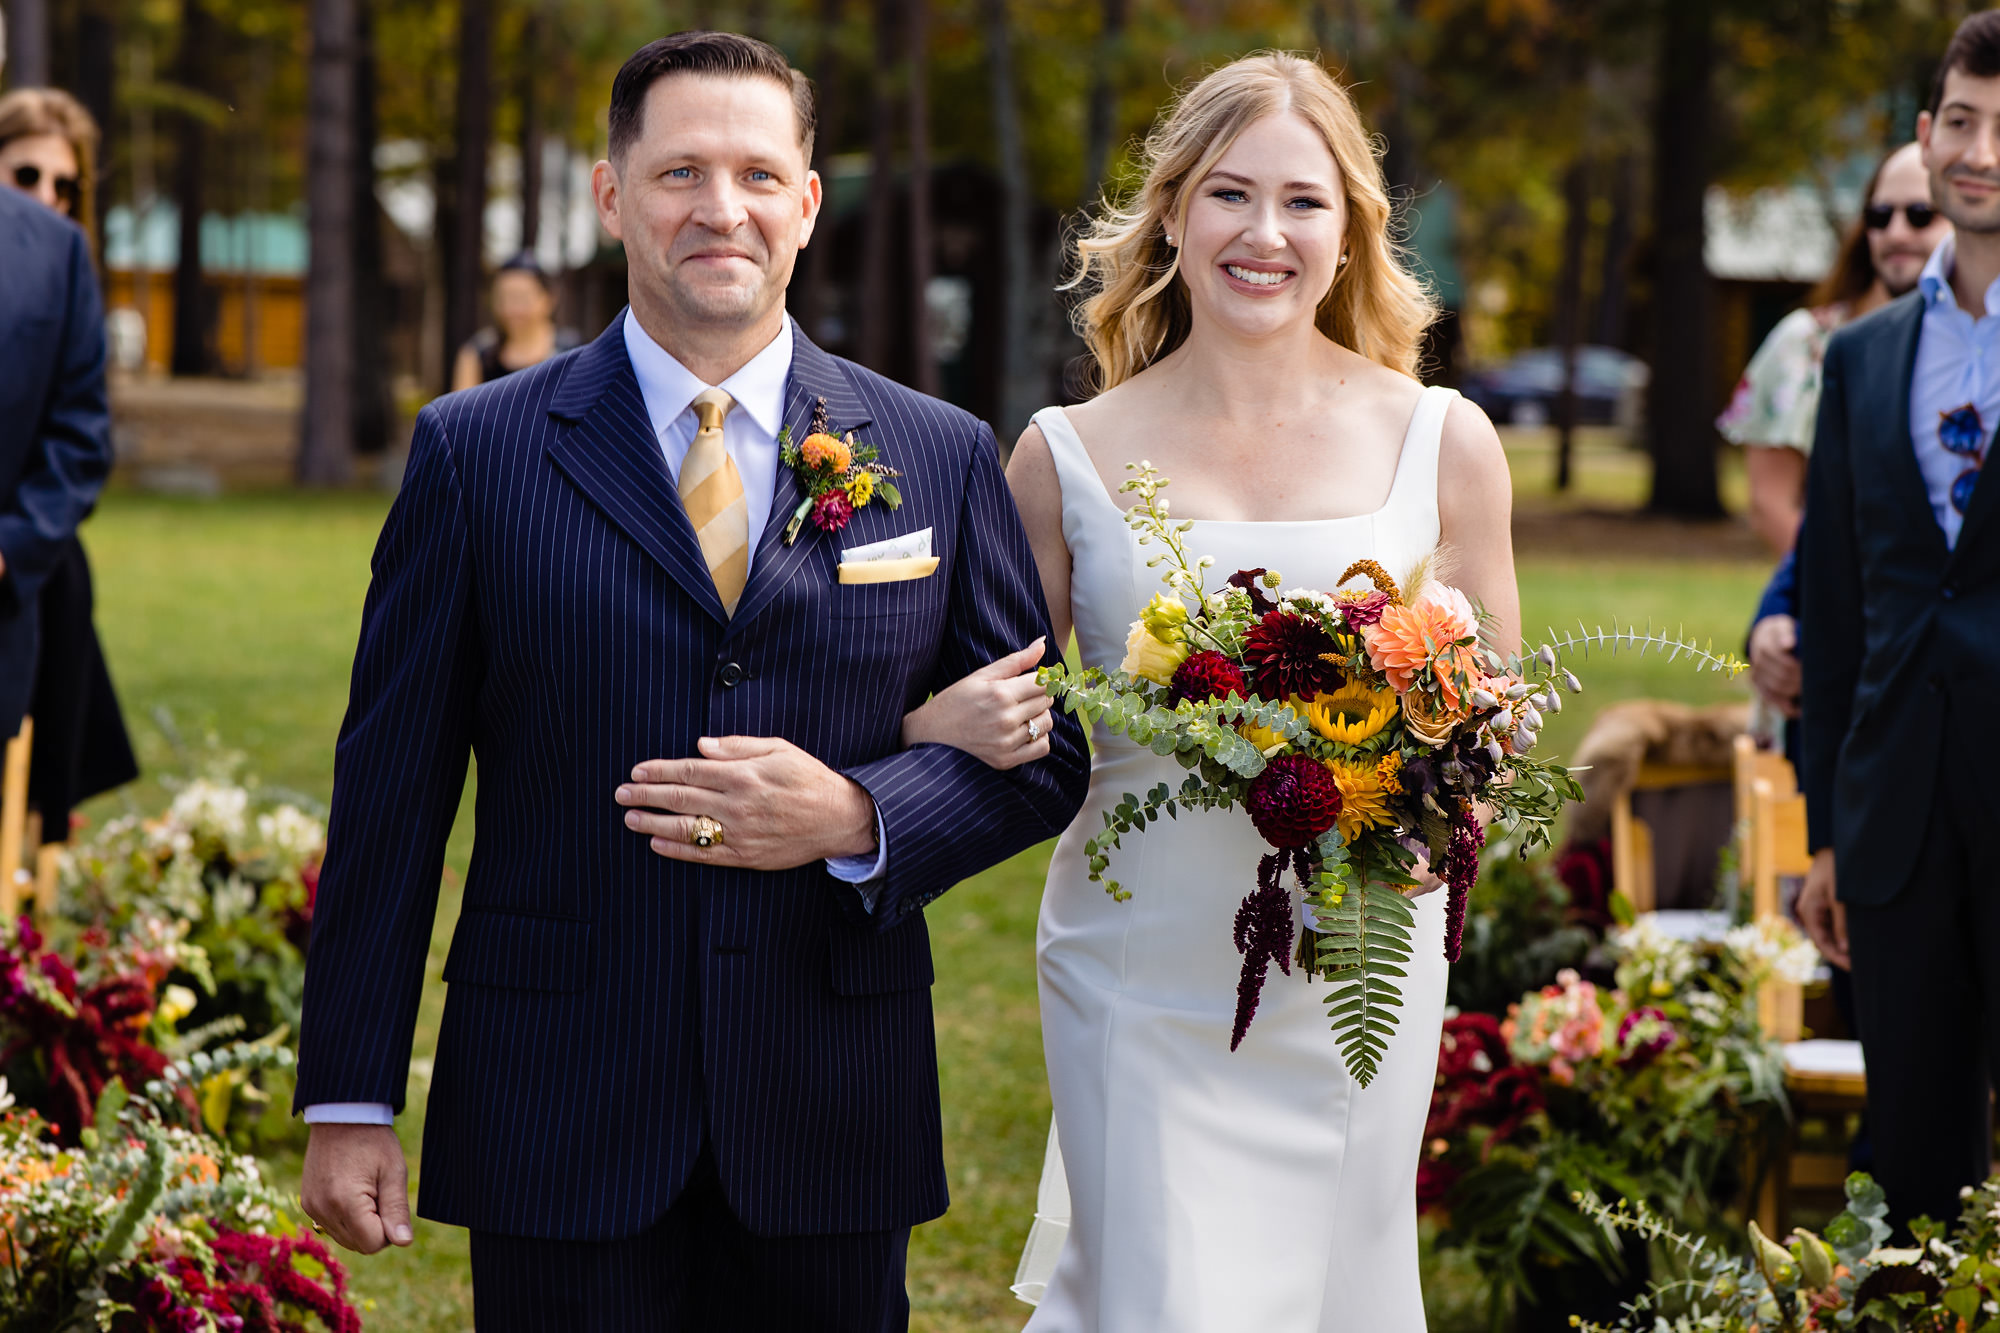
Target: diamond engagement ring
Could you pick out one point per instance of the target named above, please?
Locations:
(1034, 729)
(705, 833)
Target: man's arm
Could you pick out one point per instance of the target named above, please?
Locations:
(945, 814)
(399, 771)
(1830, 625)
(71, 456)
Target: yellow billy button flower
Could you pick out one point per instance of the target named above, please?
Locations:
(862, 489)
(1351, 714)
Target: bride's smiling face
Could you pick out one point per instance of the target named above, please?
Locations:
(1265, 229)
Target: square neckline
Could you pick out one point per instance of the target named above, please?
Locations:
(1396, 482)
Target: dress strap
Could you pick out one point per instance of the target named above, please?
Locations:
(1417, 469)
(1081, 486)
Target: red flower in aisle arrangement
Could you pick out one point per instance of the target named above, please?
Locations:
(1207, 675)
(1285, 654)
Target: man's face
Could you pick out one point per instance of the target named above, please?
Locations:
(1897, 246)
(714, 199)
(1961, 146)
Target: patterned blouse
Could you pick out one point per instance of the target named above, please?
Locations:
(1776, 403)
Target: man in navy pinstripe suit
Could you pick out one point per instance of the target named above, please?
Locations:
(677, 1086)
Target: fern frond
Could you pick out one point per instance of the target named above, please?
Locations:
(1367, 934)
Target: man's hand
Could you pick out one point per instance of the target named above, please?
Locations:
(1823, 915)
(1774, 663)
(356, 1185)
(778, 806)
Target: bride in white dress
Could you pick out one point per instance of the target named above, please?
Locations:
(1255, 336)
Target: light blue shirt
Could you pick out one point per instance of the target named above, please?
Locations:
(1958, 362)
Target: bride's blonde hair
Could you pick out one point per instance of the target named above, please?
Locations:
(1136, 311)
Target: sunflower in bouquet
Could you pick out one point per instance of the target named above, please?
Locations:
(1370, 731)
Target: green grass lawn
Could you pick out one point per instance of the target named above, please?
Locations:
(237, 617)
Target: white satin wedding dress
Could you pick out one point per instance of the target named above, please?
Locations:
(1189, 1188)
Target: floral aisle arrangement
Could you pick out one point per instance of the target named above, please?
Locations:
(1360, 728)
(1845, 1277)
(238, 872)
(150, 1225)
(1648, 1090)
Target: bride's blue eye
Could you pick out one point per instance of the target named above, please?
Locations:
(1309, 203)
(1231, 196)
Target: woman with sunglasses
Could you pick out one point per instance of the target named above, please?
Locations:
(1772, 412)
(48, 143)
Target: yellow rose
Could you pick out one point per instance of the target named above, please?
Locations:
(1164, 616)
(1147, 656)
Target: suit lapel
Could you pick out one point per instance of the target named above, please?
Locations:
(1898, 465)
(609, 451)
(814, 375)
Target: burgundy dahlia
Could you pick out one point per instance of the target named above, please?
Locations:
(1293, 801)
(1207, 675)
(832, 511)
(1284, 654)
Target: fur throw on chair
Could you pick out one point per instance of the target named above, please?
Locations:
(1647, 731)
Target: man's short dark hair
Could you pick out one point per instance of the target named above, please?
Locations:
(1974, 48)
(727, 54)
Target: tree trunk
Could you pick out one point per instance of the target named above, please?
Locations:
(1019, 385)
(815, 301)
(531, 133)
(1569, 308)
(326, 429)
(876, 307)
(1615, 277)
(924, 378)
(374, 402)
(28, 43)
(1682, 435)
(1103, 122)
(465, 271)
(97, 77)
(192, 353)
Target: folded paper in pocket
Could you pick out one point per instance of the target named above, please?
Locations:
(888, 571)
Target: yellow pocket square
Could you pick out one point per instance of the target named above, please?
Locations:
(888, 571)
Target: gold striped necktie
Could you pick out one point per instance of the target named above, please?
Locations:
(712, 492)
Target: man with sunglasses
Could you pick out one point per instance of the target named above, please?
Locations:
(1899, 564)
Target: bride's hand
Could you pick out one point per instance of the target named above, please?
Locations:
(1427, 880)
(990, 714)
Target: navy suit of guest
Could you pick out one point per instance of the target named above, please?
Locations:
(613, 1017)
(1900, 647)
(55, 422)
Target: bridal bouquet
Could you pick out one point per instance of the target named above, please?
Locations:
(1361, 728)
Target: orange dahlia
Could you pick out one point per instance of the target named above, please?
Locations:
(827, 452)
(1433, 631)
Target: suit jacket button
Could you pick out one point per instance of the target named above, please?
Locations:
(730, 675)
(1949, 591)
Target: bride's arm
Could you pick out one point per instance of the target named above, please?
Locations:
(1475, 516)
(998, 714)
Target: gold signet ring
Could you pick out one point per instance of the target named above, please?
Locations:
(705, 832)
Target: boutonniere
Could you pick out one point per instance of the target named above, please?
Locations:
(838, 473)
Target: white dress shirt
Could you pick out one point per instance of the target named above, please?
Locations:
(1958, 362)
(750, 437)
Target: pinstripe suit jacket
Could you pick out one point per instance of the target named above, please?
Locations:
(539, 600)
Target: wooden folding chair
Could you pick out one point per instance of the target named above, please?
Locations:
(1823, 1078)
(16, 884)
(1632, 839)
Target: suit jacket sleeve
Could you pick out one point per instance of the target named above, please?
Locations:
(71, 455)
(399, 771)
(948, 816)
(1829, 573)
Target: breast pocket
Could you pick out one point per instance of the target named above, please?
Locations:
(875, 601)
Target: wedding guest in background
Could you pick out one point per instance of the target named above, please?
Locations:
(48, 144)
(1899, 573)
(523, 332)
(1772, 412)
(1776, 403)
(55, 423)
